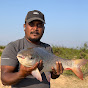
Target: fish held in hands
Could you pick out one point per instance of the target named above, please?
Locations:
(28, 57)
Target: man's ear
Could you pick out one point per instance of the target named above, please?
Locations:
(44, 27)
(24, 27)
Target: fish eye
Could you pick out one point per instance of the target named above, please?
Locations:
(31, 58)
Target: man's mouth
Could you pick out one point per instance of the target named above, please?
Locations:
(34, 33)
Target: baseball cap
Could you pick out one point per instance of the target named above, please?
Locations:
(34, 15)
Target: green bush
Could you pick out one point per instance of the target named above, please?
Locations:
(2, 47)
(0, 53)
(70, 53)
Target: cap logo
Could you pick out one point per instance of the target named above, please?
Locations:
(35, 13)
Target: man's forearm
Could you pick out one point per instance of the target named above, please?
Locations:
(11, 78)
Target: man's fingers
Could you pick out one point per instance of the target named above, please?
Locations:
(40, 63)
(57, 68)
(53, 70)
(61, 67)
(34, 67)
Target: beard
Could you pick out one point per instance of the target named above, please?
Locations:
(35, 39)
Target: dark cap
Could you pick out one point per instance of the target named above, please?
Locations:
(34, 15)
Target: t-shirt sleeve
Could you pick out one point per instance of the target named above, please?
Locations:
(8, 56)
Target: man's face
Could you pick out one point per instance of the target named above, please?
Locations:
(34, 30)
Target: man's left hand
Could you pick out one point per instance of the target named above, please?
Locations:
(59, 70)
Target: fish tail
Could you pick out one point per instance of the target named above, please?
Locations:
(76, 67)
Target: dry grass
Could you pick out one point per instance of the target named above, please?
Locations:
(63, 82)
(69, 82)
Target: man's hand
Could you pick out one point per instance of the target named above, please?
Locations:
(25, 71)
(59, 70)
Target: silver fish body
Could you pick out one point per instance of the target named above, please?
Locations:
(28, 57)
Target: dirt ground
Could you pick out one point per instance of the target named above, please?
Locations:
(63, 82)
(69, 82)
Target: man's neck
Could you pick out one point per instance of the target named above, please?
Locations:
(36, 43)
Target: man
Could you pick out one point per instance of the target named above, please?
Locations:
(17, 75)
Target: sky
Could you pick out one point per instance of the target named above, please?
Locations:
(66, 21)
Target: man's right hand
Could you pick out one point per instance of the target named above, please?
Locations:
(25, 71)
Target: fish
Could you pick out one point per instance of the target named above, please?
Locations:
(29, 56)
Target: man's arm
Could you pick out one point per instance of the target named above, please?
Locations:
(9, 77)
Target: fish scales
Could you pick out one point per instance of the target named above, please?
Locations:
(51, 59)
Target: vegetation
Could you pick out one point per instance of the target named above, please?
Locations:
(1, 49)
(71, 53)
(0, 53)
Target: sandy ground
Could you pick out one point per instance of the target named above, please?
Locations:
(63, 82)
(69, 82)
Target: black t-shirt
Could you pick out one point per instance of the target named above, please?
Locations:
(9, 58)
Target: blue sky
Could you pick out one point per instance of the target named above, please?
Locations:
(66, 20)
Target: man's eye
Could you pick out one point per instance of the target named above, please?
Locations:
(40, 25)
(31, 24)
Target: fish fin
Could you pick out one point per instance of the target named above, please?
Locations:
(78, 72)
(48, 76)
(76, 68)
(37, 74)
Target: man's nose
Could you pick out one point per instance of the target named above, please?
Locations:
(35, 27)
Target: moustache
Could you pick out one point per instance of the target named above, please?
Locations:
(34, 32)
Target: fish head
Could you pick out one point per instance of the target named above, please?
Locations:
(27, 57)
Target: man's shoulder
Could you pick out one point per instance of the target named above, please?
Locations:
(8, 56)
(47, 47)
(45, 44)
(17, 44)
